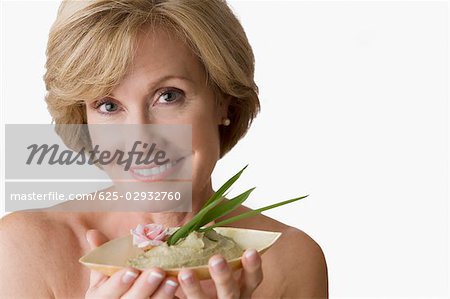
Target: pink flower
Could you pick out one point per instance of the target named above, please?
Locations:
(149, 235)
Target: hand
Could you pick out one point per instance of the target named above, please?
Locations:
(221, 274)
(128, 282)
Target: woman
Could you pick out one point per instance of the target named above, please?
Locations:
(152, 62)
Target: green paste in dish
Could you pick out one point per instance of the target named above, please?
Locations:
(194, 250)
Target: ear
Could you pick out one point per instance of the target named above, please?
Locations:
(222, 108)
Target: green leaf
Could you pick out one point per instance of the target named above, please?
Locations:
(197, 221)
(224, 208)
(214, 208)
(225, 186)
(251, 213)
(186, 229)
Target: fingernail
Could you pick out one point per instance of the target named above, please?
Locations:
(250, 254)
(218, 264)
(187, 278)
(155, 277)
(170, 286)
(129, 276)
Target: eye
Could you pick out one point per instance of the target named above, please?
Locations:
(170, 96)
(107, 106)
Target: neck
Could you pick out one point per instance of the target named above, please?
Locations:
(117, 224)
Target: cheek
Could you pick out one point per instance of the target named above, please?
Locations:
(205, 129)
(205, 148)
(205, 140)
(205, 135)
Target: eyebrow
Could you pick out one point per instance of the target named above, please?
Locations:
(160, 80)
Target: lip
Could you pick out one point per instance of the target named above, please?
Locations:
(155, 173)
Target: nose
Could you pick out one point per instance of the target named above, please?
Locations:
(140, 128)
(138, 116)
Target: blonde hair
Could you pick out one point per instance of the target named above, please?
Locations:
(92, 43)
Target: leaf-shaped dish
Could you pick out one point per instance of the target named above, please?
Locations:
(113, 255)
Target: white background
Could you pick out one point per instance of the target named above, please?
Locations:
(354, 112)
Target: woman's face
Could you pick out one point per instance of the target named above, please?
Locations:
(167, 85)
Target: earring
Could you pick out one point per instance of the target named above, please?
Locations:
(226, 122)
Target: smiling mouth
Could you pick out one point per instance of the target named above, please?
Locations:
(156, 173)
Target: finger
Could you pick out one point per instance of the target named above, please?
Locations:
(167, 289)
(190, 284)
(147, 283)
(118, 284)
(95, 239)
(221, 273)
(252, 274)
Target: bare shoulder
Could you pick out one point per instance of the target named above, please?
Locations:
(31, 229)
(26, 231)
(38, 231)
(295, 266)
(304, 265)
(31, 244)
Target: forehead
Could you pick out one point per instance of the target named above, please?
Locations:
(161, 53)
